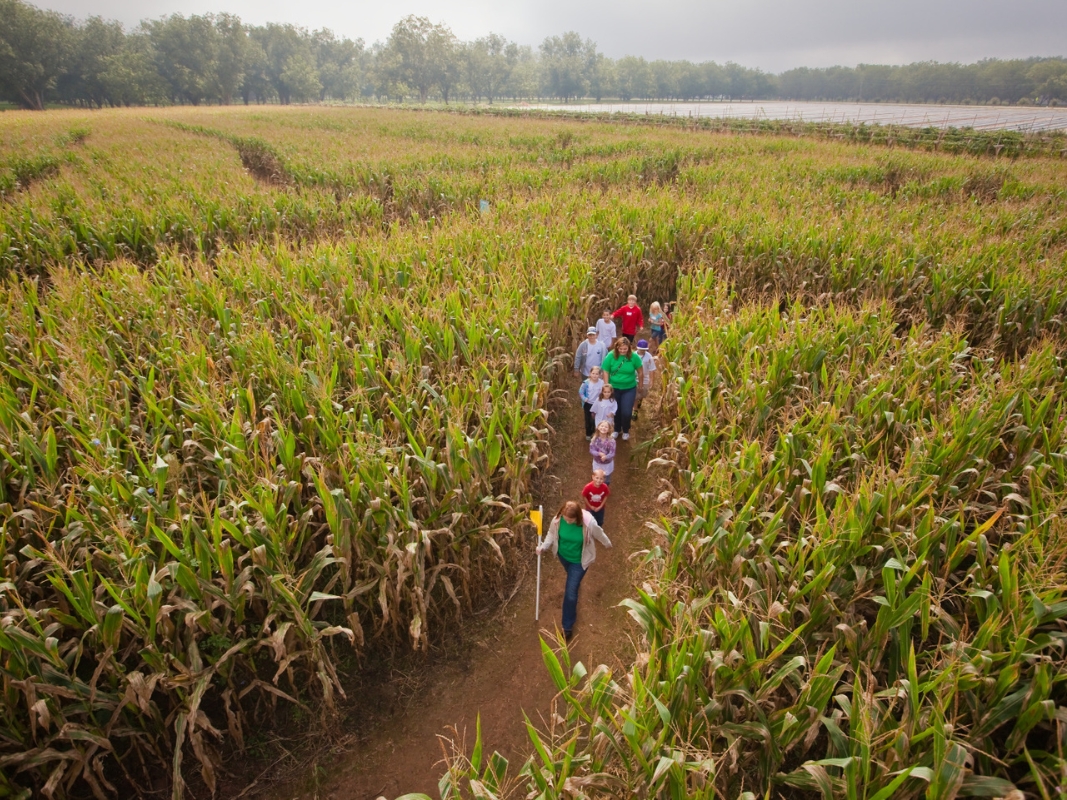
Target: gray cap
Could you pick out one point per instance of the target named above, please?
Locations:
(591, 330)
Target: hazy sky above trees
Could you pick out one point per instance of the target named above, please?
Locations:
(773, 35)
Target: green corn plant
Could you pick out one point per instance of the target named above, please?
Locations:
(251, 428)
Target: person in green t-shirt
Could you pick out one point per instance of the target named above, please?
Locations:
(624, 370)
(570, 536)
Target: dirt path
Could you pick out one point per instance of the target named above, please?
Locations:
(496, 669)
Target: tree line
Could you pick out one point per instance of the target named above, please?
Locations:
(1041, 81)
(47, 57)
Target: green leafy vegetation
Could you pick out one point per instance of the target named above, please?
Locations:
(252, 429)
(21, 172)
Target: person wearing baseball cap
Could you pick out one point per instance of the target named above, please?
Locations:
(589, 354)
(587, 361)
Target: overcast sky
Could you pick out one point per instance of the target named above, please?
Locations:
(770, 34)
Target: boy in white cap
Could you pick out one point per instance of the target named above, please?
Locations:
(589, 354)
(648, 366)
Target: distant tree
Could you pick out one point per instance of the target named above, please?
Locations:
(186, 54)
(565, 62)
(45, 57)
(475, 65)
(129, 76)
(407, 57)
(915, 82)
(339, 64)
(489, 63)
(256, 86)
(607, 77)
(385, 78)
(690, 81)
(740, 82)
(35, 47)
(524, 81)
(1049, 80)
(299, 79)
(598, 73)
(838, 82)
(664, 77)
(1006, 80)
(290, 62)
(232, 51)
(712, 78)
(874, 82)
(762, 84)
(94, 44)
(795, 84)
(632, 77)
(366, 63)
(443, 59)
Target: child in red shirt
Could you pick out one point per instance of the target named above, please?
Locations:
(632, 318)
(596, 496)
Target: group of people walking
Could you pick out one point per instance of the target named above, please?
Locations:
(616, 379)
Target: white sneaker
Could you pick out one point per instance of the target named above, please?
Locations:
(614, 434)
(625, 436)
(589, 438)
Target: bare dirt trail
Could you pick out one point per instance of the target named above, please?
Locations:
(494, 669)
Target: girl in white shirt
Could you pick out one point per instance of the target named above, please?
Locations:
(604, 407)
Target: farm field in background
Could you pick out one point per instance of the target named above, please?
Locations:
(1028, 119)
(274, 390)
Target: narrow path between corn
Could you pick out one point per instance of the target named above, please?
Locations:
(498, 672)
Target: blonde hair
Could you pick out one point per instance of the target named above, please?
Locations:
(594, 371)
(611, 429)
(652, 309)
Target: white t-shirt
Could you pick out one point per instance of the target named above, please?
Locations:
(605, 332)
(604, 410)
(594, 355)
(648, 364)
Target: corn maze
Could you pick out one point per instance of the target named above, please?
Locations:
(274, 388)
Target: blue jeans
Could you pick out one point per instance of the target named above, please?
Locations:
(625, 398)
(575, 573)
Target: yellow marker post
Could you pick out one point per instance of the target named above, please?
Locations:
(535, 518)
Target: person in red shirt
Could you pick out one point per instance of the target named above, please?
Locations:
(596, 494)
(632, 318)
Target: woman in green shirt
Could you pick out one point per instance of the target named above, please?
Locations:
(570, 536)
(623, 368)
